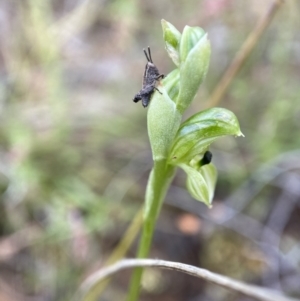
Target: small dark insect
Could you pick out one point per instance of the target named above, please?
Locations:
(207, 157)
(151, 75)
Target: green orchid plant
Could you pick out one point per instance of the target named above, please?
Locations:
(175, 144)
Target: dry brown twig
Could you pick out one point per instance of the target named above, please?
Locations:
(256, 292)
(243, 54)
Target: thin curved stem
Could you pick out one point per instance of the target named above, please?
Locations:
(158, 184)
(226, 282)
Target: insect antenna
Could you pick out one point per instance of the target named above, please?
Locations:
(146, 54)
(149, 52)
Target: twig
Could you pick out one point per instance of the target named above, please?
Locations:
(246, 289)
(243, 54)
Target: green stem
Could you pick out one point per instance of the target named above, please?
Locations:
(158, 184)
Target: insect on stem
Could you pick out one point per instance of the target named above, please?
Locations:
(151, 76)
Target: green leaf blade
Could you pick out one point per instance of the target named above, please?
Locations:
(198, 132)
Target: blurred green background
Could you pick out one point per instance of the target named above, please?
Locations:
(75, 155)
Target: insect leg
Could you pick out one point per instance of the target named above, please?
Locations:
(146, 100)
(158, 77)
(157, 90)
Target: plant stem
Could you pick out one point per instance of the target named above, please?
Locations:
(158, 184)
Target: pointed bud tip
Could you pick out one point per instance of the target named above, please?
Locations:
(240, 134)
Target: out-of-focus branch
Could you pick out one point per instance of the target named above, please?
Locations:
(246, 289)
(243, 54)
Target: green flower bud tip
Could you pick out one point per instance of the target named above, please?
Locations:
(195, 56)
(190, 38)
(172, 40)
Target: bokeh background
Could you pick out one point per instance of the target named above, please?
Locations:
(75, 155)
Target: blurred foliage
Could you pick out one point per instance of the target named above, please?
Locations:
(74, 149)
